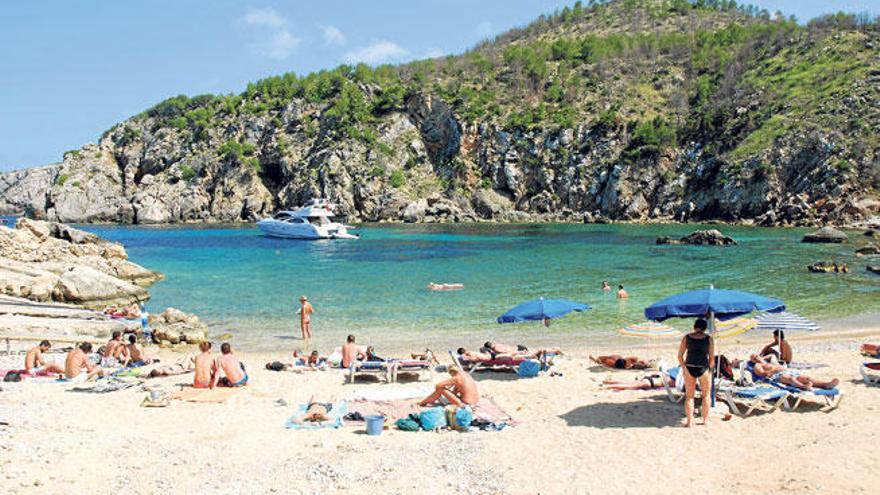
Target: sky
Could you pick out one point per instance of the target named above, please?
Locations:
(70, 70)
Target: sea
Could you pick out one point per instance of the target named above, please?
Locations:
(247, 284)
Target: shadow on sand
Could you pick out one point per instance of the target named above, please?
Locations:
(651, 412)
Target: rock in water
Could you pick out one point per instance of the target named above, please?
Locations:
(874, 269)
(870, 249)
(826, 234)
(711, 237)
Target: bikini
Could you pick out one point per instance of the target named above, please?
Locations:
(697, 361)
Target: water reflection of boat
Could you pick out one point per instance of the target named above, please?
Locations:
(313, 221)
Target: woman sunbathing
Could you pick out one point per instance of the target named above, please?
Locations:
(183, 365)
(618, 362)
(647, 382)
(781, 374)
(871, 350)
(316, 412)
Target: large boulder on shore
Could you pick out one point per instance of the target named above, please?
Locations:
(825, 234)
(175, 326)
(712, 237)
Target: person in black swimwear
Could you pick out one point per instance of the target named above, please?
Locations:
(696, 356)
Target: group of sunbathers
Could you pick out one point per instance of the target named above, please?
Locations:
(131, 311)
(117, 353)
(494, 351)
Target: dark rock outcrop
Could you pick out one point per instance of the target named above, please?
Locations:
(711, 237)
(869, 250)
(826, 235)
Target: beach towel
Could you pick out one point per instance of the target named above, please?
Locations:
(206, 395)
(486, 409)
(105, 386)
(336, 414)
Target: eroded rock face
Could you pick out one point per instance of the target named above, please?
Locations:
(711, 237)
(174, 326)
(47, 261)
(826, 235)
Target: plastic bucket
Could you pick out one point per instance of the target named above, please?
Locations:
(374, 424)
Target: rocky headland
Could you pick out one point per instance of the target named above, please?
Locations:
(621, 111)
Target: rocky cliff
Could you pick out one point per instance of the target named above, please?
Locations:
(655, 110)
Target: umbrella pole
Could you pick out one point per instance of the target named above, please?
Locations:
(714, 370)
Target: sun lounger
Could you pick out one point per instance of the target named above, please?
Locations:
(829, 397)
(500, 364)
(745, 400)
(674, 394)
(412, 366)
(870, 373)
(369, 367)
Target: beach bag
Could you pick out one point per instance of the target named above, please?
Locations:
(529, 369)
(432, 419)
(12, 376)
(459, 418)
(409, 423)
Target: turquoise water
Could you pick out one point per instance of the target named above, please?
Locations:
(247, 284)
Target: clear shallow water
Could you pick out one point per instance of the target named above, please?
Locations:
(247, 284)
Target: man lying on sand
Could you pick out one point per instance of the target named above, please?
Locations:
(316, 412)
(206, 367)
(618, 362)
(78, 359)
(786, 376)
(459, 390)
(647, 382)
(179, 367)
(35, 365)
(233, 370)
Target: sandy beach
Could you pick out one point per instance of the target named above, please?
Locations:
(572, 436)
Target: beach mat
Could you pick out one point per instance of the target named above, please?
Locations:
(105, 386)
(339, 410)
(217, 395)
(393, 410)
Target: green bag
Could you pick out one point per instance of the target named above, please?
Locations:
(410, 423)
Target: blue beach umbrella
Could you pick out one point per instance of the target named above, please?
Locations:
(712, 303)
(541, 309)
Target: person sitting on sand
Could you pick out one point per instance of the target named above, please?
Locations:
(35, 365)
(179, 367)
(136, 353)
(870, 350)
(618, 362)
(76, 360)
(351, 352)
(781, 374)
(371, 355)
(459, 390)
(316, 412)
(621, 292)
(114, 353)
(233, 370)
(784, 354)
(205, 367)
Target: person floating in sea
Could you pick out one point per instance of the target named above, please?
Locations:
(433, 286)
(784, 354)
(605, 286)
(78, 359)
(459, 390)
(35, 365)
(305, 317)
(621, 292)
(696, 356)
(235, 375)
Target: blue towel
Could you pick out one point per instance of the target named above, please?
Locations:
(339, 410)
(753, 392)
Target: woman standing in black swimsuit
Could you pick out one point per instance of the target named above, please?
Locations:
(696, 357)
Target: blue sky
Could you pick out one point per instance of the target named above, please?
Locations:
(70, 70)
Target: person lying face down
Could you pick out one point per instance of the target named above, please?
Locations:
(459, 390)
(616, 361)
(316, 412)
(781, 374)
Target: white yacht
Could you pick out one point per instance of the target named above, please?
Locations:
(312, 221)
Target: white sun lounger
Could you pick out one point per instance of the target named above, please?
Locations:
(870, 376)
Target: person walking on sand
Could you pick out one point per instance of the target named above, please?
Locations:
(696, 357)
(305, 317)
(621, 292)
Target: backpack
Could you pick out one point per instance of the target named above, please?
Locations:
(433, 418)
